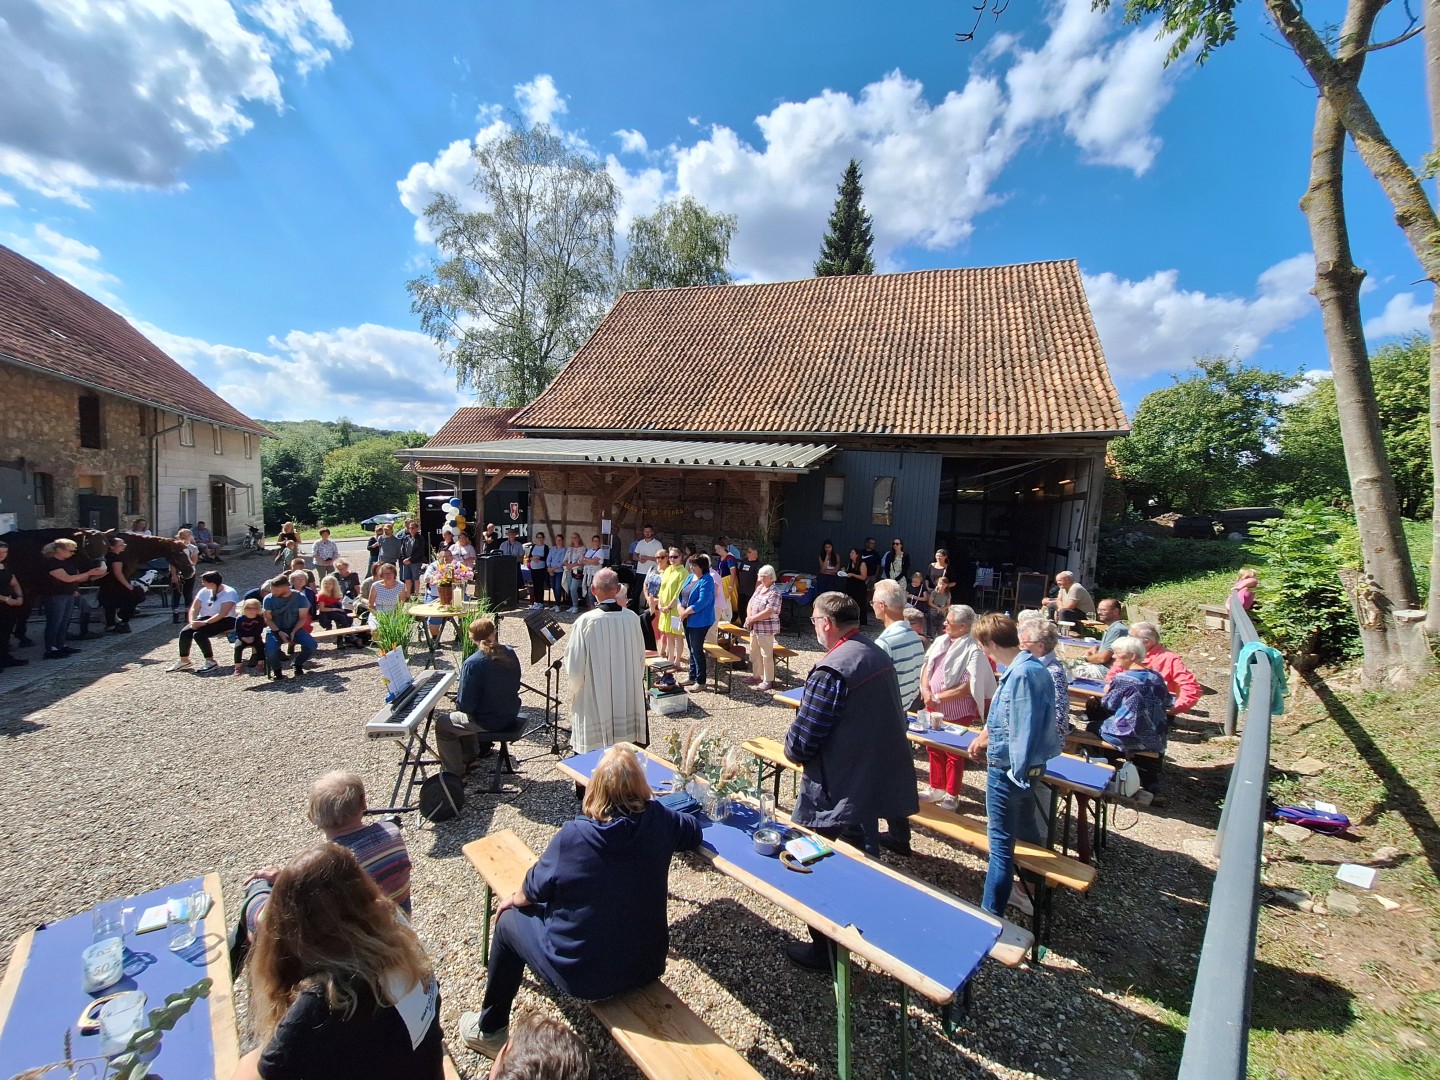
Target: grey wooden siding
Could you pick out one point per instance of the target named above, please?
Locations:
(917, 490)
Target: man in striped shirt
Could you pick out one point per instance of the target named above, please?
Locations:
(337, 808)
(898, 641)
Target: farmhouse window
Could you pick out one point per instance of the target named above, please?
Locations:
(132, 495)
(217, 438)
(44, 494)
(834, 508)
(187, 432)
(90, 421)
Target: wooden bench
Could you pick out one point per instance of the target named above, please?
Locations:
(336, 633)
(1041, 870)
(740, 636)
(1217, 616)
(725, 660)
(770, 753)
(664, 1038)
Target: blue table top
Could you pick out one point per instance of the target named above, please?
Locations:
(791, 696)
(49, 998)
(940, 939)
(1091, 775)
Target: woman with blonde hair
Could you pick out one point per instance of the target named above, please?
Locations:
(339, 983)
(590, 917)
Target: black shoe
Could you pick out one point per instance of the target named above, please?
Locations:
(122, 628)
(23, 642)
(809, 956)
(298, 668)
(68, 651)
(889, 843)
(54, 654)
(12, 661)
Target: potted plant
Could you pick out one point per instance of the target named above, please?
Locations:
(447, 576)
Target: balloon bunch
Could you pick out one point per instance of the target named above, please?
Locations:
(453, 516)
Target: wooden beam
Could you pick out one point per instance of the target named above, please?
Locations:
(489, 484)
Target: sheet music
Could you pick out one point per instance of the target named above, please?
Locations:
(394, 668)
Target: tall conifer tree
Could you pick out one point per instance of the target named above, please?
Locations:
(848, 240)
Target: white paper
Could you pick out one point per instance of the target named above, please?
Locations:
(1362, 877)
(1326, 808)
(395, 669)
(416, 1006)
(604, 526)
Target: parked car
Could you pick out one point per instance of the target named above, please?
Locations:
(382, 519)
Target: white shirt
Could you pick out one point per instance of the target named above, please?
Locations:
(647, 550)
(209, 604)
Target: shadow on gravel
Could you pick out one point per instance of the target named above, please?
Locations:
(14, 728)
(1400, 794)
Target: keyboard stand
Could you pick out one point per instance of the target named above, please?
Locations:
(418, 756)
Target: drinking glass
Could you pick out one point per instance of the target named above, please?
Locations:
(121, 1017)
(185, 924)
(104, 963)
(108, 921)
(767, 809)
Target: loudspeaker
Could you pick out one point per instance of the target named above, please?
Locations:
(498, 577)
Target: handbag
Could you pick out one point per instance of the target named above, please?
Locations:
(1125, 784)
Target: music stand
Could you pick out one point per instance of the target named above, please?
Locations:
(544, 633)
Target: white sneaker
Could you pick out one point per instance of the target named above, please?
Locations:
(947, 802)
(179, 665)
(930, 794)
(208, 665)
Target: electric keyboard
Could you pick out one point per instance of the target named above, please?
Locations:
(398, 720)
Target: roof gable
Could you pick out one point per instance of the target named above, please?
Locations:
(965, 353)
(52, 327)
(474, 424)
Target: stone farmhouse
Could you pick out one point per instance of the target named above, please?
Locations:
(99, 427)
(963, 408)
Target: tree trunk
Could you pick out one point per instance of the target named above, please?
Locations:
(1388, 581)
(1432, 88)
(1413, 211)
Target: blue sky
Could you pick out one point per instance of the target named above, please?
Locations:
(245, 180)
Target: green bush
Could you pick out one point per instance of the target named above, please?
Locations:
(1300, 600)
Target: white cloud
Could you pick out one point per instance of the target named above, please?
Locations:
(1405, 313)
(376, 375)
(930, 167)
(632, 141)
(540, 102)
(126, 93)
(74, 260)
(1153, 325)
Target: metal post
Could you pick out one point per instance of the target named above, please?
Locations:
(904, 1030)
(842, 1011)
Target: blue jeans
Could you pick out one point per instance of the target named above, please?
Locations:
(274, 646)
(695, 642)
(1014, 813)
(57, 620)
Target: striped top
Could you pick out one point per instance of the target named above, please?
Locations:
(907, 653)
(380, 850)
(387, 599)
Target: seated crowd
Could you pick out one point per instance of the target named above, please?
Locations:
(340, 984)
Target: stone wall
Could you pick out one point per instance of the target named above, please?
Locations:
(40, 433)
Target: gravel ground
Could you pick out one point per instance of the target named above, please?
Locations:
(120, 777)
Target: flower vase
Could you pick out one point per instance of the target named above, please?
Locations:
(447, 594)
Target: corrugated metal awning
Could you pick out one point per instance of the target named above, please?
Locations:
(532, 453)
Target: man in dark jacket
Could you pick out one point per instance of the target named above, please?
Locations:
(414, 555)
(849, 734)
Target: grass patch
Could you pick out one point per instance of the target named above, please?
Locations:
(1373, 1045)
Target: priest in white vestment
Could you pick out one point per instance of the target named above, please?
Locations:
(605, 667)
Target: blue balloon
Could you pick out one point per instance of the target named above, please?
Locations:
(455, 503)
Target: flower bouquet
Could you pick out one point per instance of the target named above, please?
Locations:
(447, 576)
(713, 774)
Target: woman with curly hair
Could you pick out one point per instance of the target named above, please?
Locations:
(339, 983)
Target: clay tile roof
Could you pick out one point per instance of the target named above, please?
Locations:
(51, 326)
(472, 424)
(991, 351)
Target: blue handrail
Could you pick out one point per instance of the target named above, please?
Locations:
(1217, 1039)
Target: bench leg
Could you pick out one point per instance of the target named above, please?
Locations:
(842, 1012)
(904, 1030)
(485, 941)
